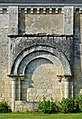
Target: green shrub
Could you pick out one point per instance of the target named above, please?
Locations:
(4, 108)
(67, 105)
(47, 106)
(78, 103)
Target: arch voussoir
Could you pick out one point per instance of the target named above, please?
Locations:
(24, 58)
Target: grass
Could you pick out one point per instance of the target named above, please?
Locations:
(33, 115)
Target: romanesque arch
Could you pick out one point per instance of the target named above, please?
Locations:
(45, 49)
(44, 66)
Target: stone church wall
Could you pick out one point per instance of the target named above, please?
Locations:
(33, 21)
(5, 82)
(21, 22)
(77, 52)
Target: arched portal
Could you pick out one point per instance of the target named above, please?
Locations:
(41, 71)
(41, 66)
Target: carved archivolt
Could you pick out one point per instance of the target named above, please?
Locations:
(34, 52)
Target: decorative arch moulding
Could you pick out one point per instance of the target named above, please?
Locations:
(24, 56)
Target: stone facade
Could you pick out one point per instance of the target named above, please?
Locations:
(40, 54)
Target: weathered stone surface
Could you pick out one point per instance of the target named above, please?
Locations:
(68, 20)
(37, 24)
(24, 106)
(13, 20)
(56, 42)
(43, 50)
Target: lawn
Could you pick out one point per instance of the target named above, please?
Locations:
(40, 116)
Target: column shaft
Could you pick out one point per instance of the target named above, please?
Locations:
(66, 88)
(19, 88)
(13, 94)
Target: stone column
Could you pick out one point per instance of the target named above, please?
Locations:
(68, 20)
(28, 89)
(13, 94)
(66, 94)
(19, 81)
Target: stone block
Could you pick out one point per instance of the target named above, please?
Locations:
(37, 24)
(13, 20)
(68, 20)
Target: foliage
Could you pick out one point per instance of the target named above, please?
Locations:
(67, 105)
(4, 108)
(47, 106)
(70, 105)
(78, 103)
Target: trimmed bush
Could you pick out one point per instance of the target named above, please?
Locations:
(47, 106)
(4, 108)
(78, 103)
(67, 105)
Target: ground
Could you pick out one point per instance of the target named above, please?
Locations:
(33, 115)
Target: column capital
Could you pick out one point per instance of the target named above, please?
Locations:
(60, 77)
(67, 77)
(15, 76)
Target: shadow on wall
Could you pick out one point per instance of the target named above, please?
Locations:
(21, 25)
(77, 56)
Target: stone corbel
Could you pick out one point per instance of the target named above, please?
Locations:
(60, 77)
